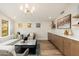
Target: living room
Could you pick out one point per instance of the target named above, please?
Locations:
(30, 29)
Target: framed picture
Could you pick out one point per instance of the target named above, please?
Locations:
(38, 25)
(29, 25)
(4, 28)
(20, 25)
(64, 22)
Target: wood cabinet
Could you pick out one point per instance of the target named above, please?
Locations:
(56, 40)
(49, 36)
(60, 43)
(75, 48)
(67, 46)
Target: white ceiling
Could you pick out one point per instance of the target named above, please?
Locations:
(42, 11)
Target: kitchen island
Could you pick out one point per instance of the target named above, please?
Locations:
(66, 44)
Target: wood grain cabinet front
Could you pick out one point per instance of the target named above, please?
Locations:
(50, 37)
(67, 47)
(75, 48)
(56, 40)
(60, 43)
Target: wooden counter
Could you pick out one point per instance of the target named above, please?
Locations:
(67, 46)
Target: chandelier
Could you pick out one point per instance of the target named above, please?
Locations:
(27, 9)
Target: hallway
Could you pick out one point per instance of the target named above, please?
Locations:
(47, 49)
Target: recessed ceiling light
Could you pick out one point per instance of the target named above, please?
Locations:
(21, 7)
(26, 5)
(50, 17)
(25, 10)
(33, 8)
(14, 17)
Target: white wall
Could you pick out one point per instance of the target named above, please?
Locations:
(41, 33)
(0, 28)
(11, 23)
(45, 26)
(71, 9)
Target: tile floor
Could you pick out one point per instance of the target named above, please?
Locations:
(48, 49)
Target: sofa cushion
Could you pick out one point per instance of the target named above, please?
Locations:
(6, 50)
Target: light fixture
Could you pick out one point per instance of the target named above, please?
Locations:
(50, 17)
(21, 7)
(27, 9)
(13, 17)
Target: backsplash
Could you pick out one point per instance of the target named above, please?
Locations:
(75, 32)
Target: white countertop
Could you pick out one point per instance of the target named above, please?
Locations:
(73, 37)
